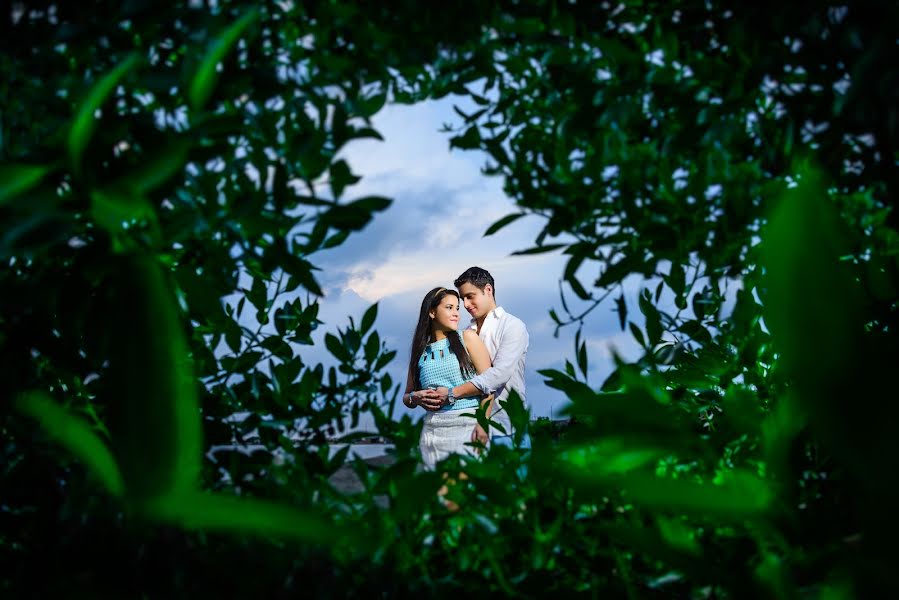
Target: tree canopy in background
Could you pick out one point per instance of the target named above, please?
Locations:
(739, 160)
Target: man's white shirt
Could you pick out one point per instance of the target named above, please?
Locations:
(506, 339)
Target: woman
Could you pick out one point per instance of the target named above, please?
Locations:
(444, 357)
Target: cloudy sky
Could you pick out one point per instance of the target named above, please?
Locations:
(432, 232)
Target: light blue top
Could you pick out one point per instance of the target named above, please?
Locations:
(439, 367)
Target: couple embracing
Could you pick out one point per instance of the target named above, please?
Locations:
(453, 372)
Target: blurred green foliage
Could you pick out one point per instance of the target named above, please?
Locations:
(169, 171)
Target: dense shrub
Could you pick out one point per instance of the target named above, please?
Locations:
(739, 160)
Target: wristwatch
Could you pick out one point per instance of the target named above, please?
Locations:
(450, 399)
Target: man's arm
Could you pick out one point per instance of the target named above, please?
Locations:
(480, 358)
(513, 345)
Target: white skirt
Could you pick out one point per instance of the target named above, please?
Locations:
(443, 433)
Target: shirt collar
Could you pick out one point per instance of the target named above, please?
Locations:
(496, 313)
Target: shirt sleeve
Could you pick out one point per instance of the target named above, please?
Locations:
(513, 345)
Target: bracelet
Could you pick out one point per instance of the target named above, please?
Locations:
(412, 399)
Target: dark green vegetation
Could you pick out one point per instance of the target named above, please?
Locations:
(751, 452)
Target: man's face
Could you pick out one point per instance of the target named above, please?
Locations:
(477, 302)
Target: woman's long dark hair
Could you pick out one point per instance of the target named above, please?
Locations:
(422, 336)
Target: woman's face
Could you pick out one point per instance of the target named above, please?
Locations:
(446, 314)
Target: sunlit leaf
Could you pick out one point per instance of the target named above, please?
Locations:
(679, 535)
(18, 179)
(609, 456)
(741, 495)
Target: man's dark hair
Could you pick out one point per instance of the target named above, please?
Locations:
(477, 277)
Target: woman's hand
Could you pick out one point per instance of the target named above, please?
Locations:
(428, 400)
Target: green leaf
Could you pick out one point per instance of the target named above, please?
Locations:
(229, 514)
(341, 177)
(85, 121)
(159, 169)
(154, 413)
(258, 294)
(201, 298)
(352, 339)
(335, 240)
(519, 415)
(696, 331)
(204, 80)
(699, 305)
(370, 106)
(277, 346)
(233, 336)
(480, 415)
(678, 535)
(117, 211)
(368, 318)
(539, 249)
(581, 349)
(470, 140)
(812, 306)
(779, 430)
(638, 335)
(363, 132)
(621, 309)
(609, 456)
(653, 319)
(76, 436)
(578, 288)
(355, 215)
(336, 348)
(372, 345)
(577, 391)
(617, 272)
(579, 252)
(18, 179)
(384, 360)
(300, 271)
(510, 218)
(677, 279)
(741, 495)
(337, 460)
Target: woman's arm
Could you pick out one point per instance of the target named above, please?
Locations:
(480, 358)
(424, 398)
(411, 403)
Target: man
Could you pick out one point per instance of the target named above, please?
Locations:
(506, 339)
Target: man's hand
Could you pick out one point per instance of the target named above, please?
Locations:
(479, 435)
(428, 400)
